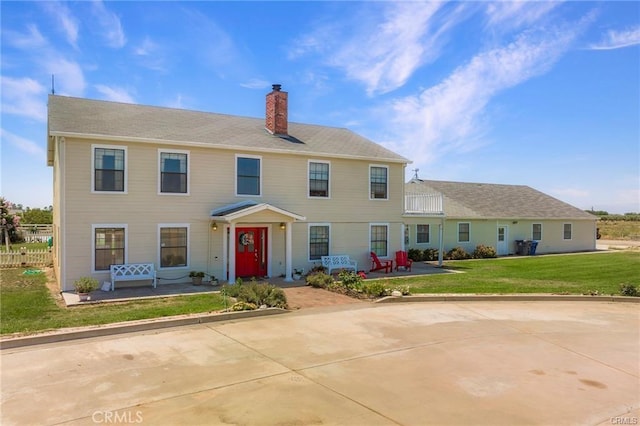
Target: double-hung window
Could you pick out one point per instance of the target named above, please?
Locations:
(174, 247)
(464, 232)
(318, 241)
(109, 243)
(248, 172)
(422, 234)
(174, 172)
(566, 231)
(378, 182)
(536, 231)
(318, 179)
(379, 239)
(109, 169)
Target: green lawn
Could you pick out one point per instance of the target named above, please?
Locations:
(569, 274)
(27, 306)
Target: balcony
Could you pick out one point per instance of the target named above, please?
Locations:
(423, 204)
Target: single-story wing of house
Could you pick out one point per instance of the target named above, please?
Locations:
(501, 216)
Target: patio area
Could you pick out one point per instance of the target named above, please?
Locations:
(123, 294)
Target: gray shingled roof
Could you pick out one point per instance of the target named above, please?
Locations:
(495, 201)
(119, 121)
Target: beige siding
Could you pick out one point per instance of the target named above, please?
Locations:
(212, 185)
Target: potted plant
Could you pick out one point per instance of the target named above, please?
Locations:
(297, 273)
(196, 277)
(84, 286)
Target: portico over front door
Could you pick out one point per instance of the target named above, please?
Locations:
(251, 252)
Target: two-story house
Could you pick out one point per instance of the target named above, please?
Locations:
(232, 196)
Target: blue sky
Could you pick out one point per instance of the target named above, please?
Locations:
(545, 94)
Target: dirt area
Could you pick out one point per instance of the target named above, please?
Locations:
(309, 297)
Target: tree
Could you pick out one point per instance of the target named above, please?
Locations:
(9, 223)
(37, 216)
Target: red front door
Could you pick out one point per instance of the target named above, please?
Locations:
(251, 252)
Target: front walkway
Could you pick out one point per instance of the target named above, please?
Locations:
(179, 289)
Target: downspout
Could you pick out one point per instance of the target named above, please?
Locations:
(441, 241)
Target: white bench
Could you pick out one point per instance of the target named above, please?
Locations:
(340, 261)
(133, 272)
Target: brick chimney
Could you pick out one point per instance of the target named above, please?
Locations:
(276, 118)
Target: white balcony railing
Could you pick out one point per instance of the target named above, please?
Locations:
(423, 204)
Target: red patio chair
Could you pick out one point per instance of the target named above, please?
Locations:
(403, 260)
(377, 264)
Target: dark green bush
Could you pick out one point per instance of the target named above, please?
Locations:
(483, 252)
(319, 280)
(457, 253)
(415, 255)
(629, 290)
(430, 254)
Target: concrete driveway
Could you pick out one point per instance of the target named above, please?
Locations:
(409, 363)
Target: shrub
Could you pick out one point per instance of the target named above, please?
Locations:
(85, 284)
(350, 280)
(457, 253)
(319, 279)
(629, 290)
(415, 255)
(483, 252)
(404, 289)
(257, 294)
(243, 306)
(430, 254)
(318, 268)
(375, 289)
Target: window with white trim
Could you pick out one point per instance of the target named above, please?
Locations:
(174, 245)
(464, 232)
(378, 182)
(319, 179)
(379, 239)
(319, 235)
(567, 230)
(536, 231)
(109, 168)
(248, 173)
(174, 172)
(423, 234)
(109, 243)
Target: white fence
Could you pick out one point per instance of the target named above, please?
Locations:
(423, 203)
(22, 258)
(35, 233)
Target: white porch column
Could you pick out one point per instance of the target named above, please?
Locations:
(232, 253)
(441, 242)
(288, 252)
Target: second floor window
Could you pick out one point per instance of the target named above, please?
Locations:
(108, 170)
(318, 179)
(248, 176)
(173, 172)
(378, 182)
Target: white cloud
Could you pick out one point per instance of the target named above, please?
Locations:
(110, 24)
(31, 40)
(383, 50)
(255, 83)
(116, 94)
(452, 114)
(25, 97)
(618, 39)
(65, 18)
(23, 144)
(69, 78)
(516, 14)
